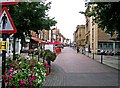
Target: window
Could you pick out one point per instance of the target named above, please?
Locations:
(110, 45)
(100, 45)
(105, 45)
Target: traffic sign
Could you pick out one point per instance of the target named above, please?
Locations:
(3, 45)
(8, 2)
(6, 24)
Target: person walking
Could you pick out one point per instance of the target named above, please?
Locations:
(78, 49)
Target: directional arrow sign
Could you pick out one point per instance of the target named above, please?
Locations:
(8, 2)
(6, 23)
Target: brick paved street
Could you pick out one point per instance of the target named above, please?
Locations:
(75, 69)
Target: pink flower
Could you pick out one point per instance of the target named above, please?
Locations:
(26, 56)
(10, 70)
(10, 76)
(47, 65)
(47, 73)
(32, 63)
(15, 72)
(22, 82)
(32, 78)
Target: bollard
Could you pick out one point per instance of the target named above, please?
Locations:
(101, 58)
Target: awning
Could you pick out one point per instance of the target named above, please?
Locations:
(38, 40)
(55, 43)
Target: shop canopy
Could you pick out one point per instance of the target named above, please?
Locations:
(55, 43)
(43, 42)
(38, 40)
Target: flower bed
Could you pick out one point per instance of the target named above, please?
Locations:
(24, 72)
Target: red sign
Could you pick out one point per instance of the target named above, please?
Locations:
(8, 2)
(6, 23)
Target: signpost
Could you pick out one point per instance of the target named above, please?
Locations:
(6, 26)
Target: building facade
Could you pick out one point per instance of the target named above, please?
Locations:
(79, 36)
(97, 39)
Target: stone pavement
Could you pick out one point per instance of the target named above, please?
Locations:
(112, 61)
(75, 69)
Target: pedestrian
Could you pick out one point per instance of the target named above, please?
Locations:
(77, 49)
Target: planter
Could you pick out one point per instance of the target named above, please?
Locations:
(58, 50)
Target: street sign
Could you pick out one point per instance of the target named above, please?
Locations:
(8, 2)
(6, 24)
(3, 45)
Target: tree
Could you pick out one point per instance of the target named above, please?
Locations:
(106, 14)
(31, 16)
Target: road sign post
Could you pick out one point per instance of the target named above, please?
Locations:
(3, 61)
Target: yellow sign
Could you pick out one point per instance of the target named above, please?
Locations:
(3, 45)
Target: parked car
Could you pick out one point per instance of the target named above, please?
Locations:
(117, 52)
(111, 53)
(99, 52)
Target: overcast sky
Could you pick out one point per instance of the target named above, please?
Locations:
(66, 13)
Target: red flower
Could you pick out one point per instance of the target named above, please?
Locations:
(47, 73)
(32, 63)
(32, 71)
(22, 82)
(4, 76)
